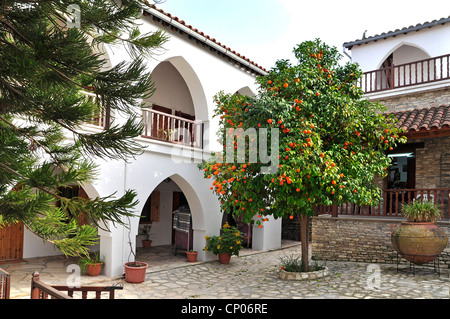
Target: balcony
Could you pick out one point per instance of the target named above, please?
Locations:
(158, 126)
(172, 129)
(391, 203)
(406, 75)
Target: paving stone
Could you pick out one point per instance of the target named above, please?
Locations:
(254, 275)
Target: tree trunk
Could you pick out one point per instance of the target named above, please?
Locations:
(304, 238)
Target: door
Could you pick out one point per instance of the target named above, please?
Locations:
(11, 242)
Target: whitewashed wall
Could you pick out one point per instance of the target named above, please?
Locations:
(432, 41)
(204, 74)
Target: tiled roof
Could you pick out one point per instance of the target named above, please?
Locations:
(389, 34)
(425, 119)
(210, 41)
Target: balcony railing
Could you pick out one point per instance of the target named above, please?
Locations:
(173, 129)
(99, 117)
(408, 74)
(391, 203)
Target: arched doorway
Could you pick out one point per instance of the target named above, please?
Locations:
(177, 111)
(174, 212)
(397, 70)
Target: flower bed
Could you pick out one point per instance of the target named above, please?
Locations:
(287, 275)
(291, 269)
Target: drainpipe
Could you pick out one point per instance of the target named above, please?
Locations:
(343, 50)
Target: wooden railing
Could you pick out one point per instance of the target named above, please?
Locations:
(403, 75)
(99, 117)
(391, 203)
(174, 129)
(41, 290)
(5, 284)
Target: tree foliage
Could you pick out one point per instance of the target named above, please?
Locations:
(53, 80)
(325, 142)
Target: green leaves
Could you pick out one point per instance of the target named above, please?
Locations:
(332, 141)
(53, 80)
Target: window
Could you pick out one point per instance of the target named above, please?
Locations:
(401, 173)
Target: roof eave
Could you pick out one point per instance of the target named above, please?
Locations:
(206, 40)
(350, 45)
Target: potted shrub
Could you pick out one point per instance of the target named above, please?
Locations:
(93, 265)
(191, 255)
(146, 242)
(135, 270)
(229, 243)
(419, 240)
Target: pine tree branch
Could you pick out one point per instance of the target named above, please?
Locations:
(31, 138)
(9, 169)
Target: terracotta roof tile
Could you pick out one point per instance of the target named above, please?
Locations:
(425, 119)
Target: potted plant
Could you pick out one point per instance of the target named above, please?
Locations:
(135, 270)
(419, 240)
(191, 255)
(146, 243)
(229, 243)
(93, 265)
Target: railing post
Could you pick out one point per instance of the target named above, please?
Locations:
(392, 77)
(334, 211)
(34, 290)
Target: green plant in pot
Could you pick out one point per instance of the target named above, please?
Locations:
(419, 240)
(191, 255)
(135, 270)
(92, 264)
(145, 231)
(229, 243)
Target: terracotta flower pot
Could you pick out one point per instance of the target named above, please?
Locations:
(191, 256)
(224, 258)
(146, 243)
(135, 272)
(419, 243)
(94, 269)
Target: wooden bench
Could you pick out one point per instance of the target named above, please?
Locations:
(5, 283)
(41, 290)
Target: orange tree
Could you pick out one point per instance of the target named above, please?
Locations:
(324, 142)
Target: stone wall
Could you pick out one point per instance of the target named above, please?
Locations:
(433, 163)
(417, 100)
(359, 239)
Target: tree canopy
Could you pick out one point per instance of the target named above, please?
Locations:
(323, 140)
(54, 80)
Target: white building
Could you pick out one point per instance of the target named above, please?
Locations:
(408, 71)
(187, 74)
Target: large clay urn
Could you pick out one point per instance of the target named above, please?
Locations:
(419, 242)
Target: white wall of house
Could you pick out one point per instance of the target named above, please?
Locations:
(197, 74)
(370, 56)
(171, 89)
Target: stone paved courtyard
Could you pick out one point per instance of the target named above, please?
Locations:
(255, 275)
